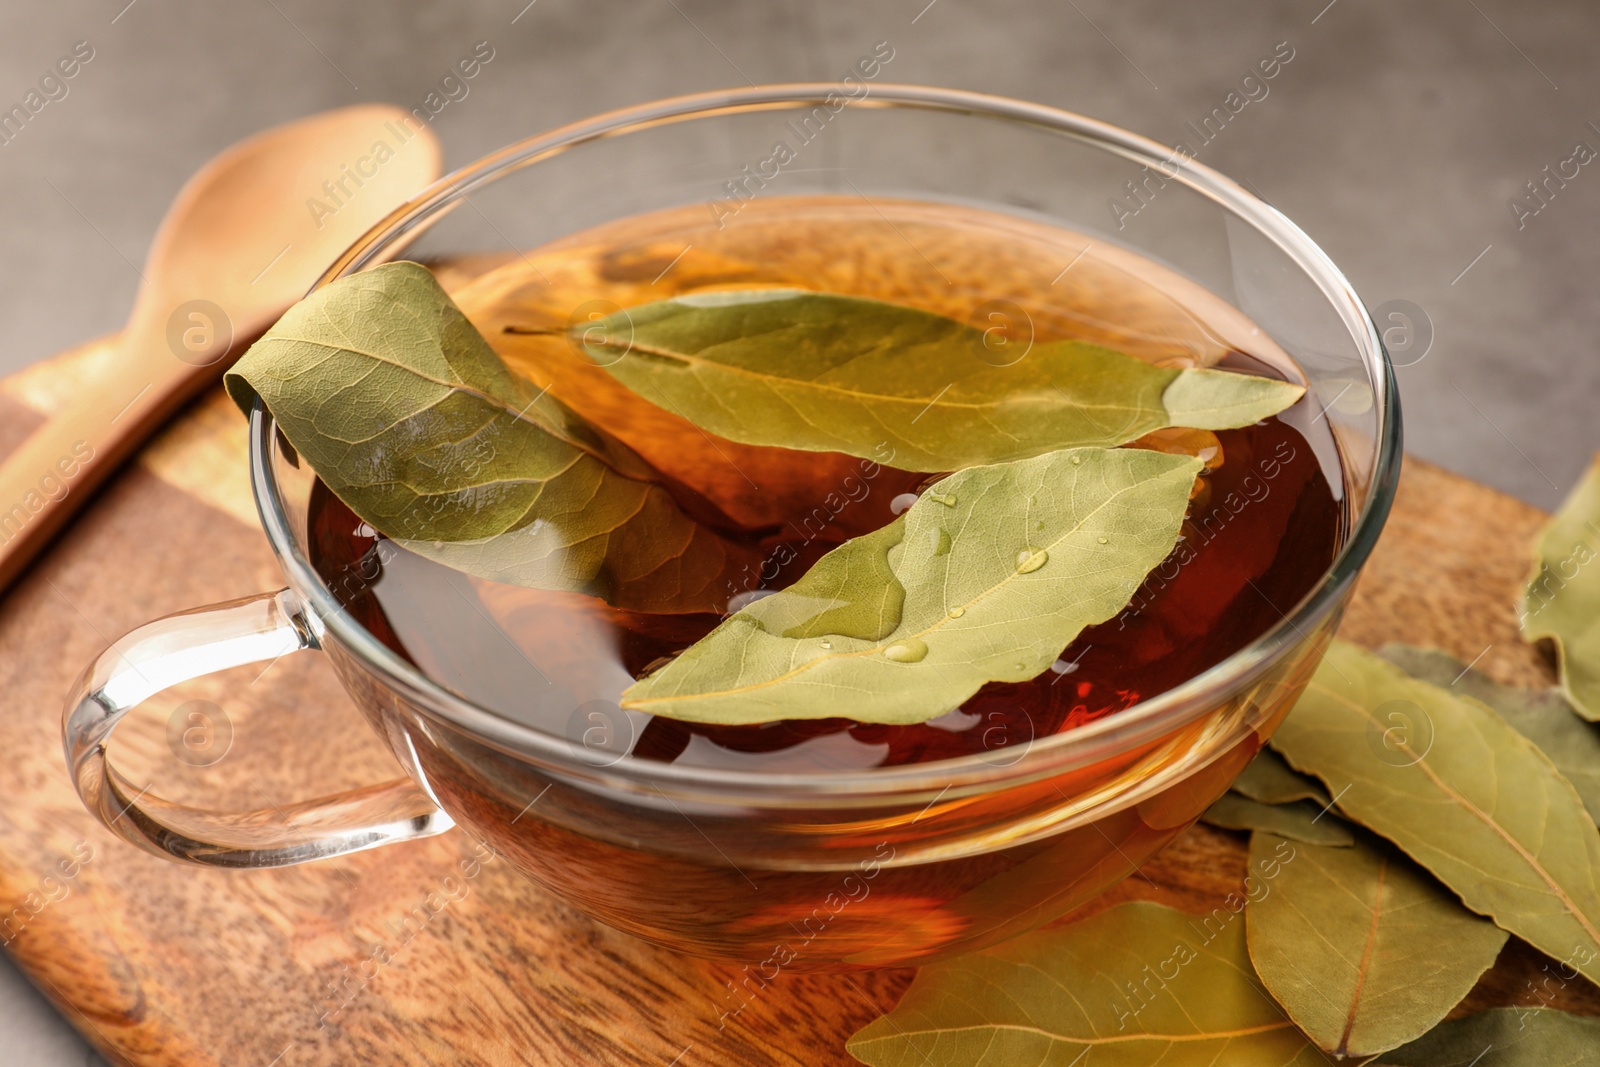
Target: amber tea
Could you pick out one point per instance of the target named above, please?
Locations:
(1263, 522)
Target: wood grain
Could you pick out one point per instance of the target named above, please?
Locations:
(164, 965)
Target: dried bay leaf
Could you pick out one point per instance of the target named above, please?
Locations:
(843, 245)
(1506, 1037)
(797, 653)
(1134, 986)
(1267, 779)
(1562, 598)
(1302, 820)
(1460, 792)
(1363, 949)
(830, 373)
(409, 417)
(523, 311)
(1543, 716)
(987, 577)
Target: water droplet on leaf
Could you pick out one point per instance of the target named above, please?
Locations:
(957, 612)
(947, 499)
(1030, 560)
(911, 650)
(1102, 540)
(902, 503)
(939, 541)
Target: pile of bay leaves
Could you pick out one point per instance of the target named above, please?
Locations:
(1410, 816)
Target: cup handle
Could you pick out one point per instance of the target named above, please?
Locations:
(188, 645)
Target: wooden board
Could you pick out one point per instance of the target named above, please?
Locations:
(161, 964)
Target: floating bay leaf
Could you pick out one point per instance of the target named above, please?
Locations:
(1134, 986)
(1562, 599)
(987, 577)
(1506, 1037)
(1460, 792)
(1363, 949)
(523, 309)
(409, 417)
(1269, 780)
(1302, 820)
(1543, 716)
(830, 373)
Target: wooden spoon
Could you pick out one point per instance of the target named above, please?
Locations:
(247, 236)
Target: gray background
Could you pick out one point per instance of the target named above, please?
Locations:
(1395, 137)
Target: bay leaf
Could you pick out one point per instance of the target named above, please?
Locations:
(829, 373)
(1301, 820)
(523, 310)
(1543, 716)
(1562, 598)
(1363, 949)
(1134, 986)
(987, 577)
(1267, 779)
(1506, 1037)
(409, 417)
(1460, 792)
(843, 245)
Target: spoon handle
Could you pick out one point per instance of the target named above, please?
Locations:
(57, 468)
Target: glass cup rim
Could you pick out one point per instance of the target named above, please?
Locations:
(1044, 756)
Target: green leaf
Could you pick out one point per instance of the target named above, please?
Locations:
(1363, 949)
(1543, 716)
(1134, 986)
(1506, 1037)
(830, 373)
(1269, 780)
(987, 577)
(1303, 820)
(402, 408)
(1460, 791)
(1562, 599)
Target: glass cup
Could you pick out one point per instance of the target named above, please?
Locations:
(792, 871)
